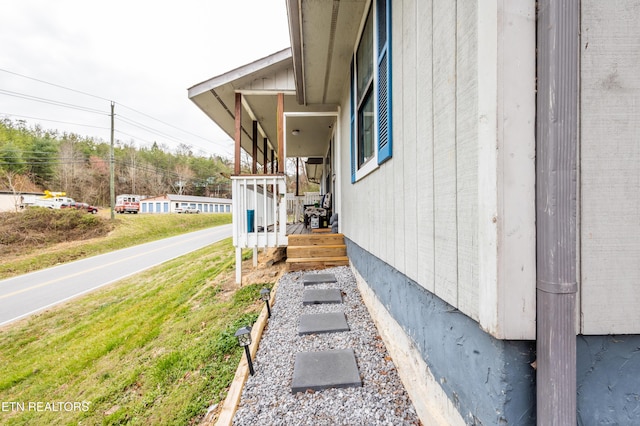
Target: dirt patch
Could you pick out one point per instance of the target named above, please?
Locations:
(269, 270)
(37, 228)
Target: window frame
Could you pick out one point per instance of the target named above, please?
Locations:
(382, 150)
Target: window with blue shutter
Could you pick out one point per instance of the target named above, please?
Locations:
(370, 88)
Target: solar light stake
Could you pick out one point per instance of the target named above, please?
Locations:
(244, 339)
(264, 294)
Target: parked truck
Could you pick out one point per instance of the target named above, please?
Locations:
(53, 200)
(127, 203)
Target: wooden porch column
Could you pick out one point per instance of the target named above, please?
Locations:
(280, 163)
(254, 154)
(238, 134)
(264, 156)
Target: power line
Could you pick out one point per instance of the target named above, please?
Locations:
(105, 99)
(53, 84)
(53, 121)
(51, 102)
(166, 124)
(147, 128)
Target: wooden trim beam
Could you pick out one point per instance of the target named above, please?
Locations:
(238, 133)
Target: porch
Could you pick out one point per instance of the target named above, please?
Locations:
(264, 217)
(258, 106)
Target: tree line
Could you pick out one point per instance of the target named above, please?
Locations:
(32, 158)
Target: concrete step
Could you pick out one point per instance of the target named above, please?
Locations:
(328, 250)
(325, 369)
(330, 322)
(312, 296)
(318, 278)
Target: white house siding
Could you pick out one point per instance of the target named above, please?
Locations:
(610, 167)
(424, 146)
(467, 157)
(420, 212)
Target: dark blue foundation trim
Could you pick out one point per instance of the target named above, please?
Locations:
(608, 380)
(490, 381)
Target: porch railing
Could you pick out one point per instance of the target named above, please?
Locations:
(295, 205)
(259, 211)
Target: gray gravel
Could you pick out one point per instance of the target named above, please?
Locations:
(267, 398)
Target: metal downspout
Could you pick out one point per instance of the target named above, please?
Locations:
(558, 25)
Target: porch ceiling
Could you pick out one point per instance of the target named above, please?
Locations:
(323, 35)
(259, 83)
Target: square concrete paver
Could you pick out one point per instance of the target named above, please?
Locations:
(314, 296)
(311, 279)
(325, 369)
(322, 323)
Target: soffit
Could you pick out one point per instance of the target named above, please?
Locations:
(323, 36)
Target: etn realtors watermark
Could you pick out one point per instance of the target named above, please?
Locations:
(44, 406)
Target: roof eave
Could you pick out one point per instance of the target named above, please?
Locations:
(239, 72)
(295, 35)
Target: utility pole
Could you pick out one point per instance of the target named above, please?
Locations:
(112, 160)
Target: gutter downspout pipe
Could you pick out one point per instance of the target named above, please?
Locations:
(556, 193)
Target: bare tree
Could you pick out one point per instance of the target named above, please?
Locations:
(184, 175)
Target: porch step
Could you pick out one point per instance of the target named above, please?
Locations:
(315, 251)
(315, 239)
(304, 263)
(328, 250)
(321, 231)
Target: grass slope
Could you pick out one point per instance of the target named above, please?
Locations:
(157, 348)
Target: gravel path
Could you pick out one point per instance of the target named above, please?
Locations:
(267, 398)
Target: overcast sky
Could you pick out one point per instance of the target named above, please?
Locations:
(142, 54)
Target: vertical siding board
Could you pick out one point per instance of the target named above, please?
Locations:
(444, 91)
(378, 233)
(424, 145)
(398, 189)
(467, 158)
(348, 207)
(409, 108)
(609, 167)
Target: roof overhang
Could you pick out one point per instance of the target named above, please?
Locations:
(312, 75)
(259, 83)
(323, 35)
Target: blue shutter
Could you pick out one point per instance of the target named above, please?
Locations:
(354, 151)
(383, 8)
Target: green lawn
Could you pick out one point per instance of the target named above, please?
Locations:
(156, 348)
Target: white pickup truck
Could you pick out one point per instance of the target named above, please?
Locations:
(187, 209)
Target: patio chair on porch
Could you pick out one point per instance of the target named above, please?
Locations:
(320, 212)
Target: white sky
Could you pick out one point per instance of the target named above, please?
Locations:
(142, 54)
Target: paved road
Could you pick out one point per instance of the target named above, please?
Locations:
(26, 294)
